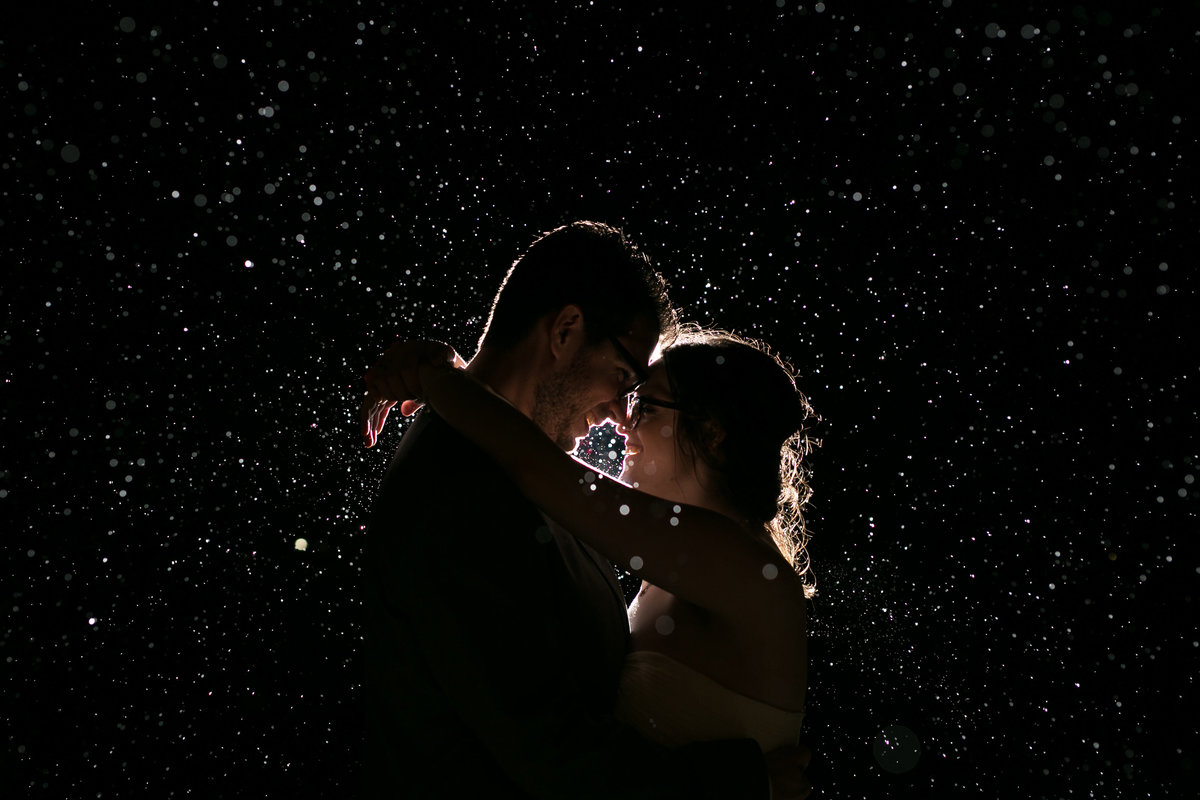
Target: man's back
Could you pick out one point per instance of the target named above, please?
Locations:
(494, 643)
(465, 581)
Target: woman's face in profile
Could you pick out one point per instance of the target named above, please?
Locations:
(652, 461)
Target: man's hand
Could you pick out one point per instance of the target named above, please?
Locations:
(395, 378)
(786, 767)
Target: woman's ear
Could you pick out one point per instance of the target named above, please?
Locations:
(566, 331)
(714, 435)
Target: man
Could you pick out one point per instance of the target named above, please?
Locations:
(494, 639)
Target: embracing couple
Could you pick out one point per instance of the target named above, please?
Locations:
(501, 659)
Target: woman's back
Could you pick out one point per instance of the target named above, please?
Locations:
(762, 656)
(694, 676)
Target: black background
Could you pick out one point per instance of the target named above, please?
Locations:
(962, 221)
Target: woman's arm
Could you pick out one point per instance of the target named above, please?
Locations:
(388, 383)
(696, 554)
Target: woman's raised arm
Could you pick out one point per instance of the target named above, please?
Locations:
(389, 381)
(698, 555)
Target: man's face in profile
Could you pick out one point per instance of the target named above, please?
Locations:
(593, 386)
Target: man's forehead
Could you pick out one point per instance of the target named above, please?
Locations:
(656, 375)
(641, 338)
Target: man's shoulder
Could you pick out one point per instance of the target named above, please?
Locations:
(439, 480)
(432, 452)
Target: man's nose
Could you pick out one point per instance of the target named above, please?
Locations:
(615, 410)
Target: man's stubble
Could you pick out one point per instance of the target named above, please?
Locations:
(559, 401)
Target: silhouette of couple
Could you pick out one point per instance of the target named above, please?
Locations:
(501, 658)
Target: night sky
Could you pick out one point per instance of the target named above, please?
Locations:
(963, 222)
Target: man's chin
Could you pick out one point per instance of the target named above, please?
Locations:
(569, 441)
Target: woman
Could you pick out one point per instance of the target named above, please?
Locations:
(708, 514)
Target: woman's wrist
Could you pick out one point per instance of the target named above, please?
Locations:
(433, 378)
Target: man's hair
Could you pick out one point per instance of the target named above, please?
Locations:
(589, 264)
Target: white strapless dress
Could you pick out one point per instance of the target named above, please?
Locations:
(671, 703)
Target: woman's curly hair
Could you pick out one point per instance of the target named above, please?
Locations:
(747, 421)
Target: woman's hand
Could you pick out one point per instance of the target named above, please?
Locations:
(396, 378)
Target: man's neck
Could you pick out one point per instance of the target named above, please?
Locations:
(509, 373)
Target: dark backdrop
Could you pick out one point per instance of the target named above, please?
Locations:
(962, 221)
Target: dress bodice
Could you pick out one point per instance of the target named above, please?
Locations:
(671, 703)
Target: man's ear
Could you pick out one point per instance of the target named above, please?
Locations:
(566, 332)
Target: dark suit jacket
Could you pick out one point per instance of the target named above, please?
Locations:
(494, 643)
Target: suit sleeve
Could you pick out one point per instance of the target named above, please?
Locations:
(494, 636)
